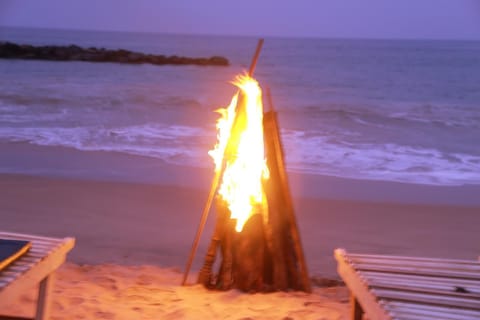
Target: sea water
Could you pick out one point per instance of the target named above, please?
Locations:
(393, 110)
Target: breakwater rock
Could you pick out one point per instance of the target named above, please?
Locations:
(10, 50)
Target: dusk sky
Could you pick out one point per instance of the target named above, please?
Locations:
(431, 19)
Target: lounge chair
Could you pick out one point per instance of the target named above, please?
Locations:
(35, 267)
(395, 287)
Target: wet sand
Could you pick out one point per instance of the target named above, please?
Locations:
(136, 223)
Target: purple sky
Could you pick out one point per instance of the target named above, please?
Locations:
(433, 19)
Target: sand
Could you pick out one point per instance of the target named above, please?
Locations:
(133, 240)
(150, 292)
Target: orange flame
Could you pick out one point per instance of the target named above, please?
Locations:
(240, 148)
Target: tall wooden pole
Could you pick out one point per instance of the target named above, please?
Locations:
(290, 215)
(253, 65)
(214, 184)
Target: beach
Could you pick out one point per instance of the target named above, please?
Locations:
(150, 292)
(136, 224)
(381, 153)
(133, 238)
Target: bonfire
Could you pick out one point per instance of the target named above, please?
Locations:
(256, 231)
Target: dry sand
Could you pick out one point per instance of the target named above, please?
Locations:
(133, 240)
(150, 292)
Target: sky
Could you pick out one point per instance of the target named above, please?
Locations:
(405, 19)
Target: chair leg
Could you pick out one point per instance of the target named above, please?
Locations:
(43, 303)
(356, 308)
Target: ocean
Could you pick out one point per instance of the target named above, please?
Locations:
(390, 110)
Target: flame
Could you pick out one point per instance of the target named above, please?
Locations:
(240, 148)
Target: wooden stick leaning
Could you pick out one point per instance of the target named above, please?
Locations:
(214, 185)
(304, 279)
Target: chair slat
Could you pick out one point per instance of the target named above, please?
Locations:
(409, 258)
(419, 271)
(429, 299)
(421, 307)
(412, 287)
(425, 286)
(433, 265)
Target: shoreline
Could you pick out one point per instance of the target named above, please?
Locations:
(70, 163)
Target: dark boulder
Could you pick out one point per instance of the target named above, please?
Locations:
(218, 61)
(72, 52)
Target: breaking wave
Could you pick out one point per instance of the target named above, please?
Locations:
(306, 152)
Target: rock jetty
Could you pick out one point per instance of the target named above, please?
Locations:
(10, 50)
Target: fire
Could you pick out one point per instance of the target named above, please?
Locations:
(240, 150)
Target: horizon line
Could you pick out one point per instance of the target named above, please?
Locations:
(242, 35)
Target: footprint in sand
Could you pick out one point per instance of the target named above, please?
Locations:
(76, 300)
(27, 299)
(156, 304)
(144, 280)
(137, 298)
(106, 282)
(104, 315)
(58, 306)
(94, 301)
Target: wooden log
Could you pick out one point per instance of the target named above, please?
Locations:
(243, 256)
(205, 275)
(201, 225)
(225, 276)
(272, 137)
(249, 256)
(284, 270)
(253, 65)
(276, 270)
